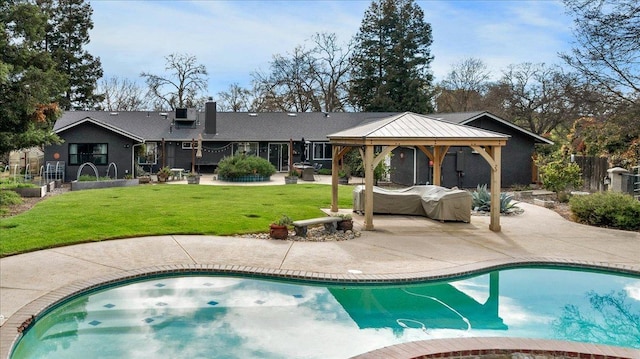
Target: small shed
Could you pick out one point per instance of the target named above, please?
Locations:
(431, 136)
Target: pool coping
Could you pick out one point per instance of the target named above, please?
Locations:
(24, 317)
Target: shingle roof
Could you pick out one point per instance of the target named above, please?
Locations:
(278, 126)
(458, 117)
(230, 126)
(264, 126)
(464, 118)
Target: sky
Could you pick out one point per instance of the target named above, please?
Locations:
(236, 38)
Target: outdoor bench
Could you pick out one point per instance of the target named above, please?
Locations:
(330, 224)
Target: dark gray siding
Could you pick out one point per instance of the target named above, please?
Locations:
(119, 150)
(465, 169)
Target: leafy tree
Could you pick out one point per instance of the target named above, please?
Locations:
(121, 94)
(391, 59)
(607, 136)
(464, 87)
(183, 88)
(66, 35)
(29, 81)
(606, 53)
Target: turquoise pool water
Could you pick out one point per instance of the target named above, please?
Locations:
(228, 317)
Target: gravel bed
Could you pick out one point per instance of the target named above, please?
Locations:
(314, 234)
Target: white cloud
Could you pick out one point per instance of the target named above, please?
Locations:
(235, 38)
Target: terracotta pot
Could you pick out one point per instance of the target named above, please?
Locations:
(345, 225)
(278, 232)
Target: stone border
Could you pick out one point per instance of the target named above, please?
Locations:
(499, 348)
(26, 315)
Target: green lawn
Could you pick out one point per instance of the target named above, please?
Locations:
(95, 215)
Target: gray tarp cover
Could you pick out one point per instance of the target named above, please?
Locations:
(435, 202)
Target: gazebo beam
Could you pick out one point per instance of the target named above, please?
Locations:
(385, 151)
(426, 151)
(488, 157)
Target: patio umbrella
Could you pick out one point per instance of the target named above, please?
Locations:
(303, 156)
(199, 152)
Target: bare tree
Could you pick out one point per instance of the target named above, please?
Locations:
(332, 70)
(290, 85)
(606, 53)
(183, 88)
(607, 45)
(235, 99)
(536, 97)
(306, 80)
(463, 87)
(121, 94)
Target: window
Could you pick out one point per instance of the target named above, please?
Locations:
(322, 151)
(148, 153)
(95, 153)
(188, 145)
(248, 148)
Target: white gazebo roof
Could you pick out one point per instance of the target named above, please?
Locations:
(416, 127)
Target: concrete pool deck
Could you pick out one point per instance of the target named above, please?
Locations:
(400, 248)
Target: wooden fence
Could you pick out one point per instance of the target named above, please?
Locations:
(594, 170)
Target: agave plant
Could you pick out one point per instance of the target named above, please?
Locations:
(482, 200)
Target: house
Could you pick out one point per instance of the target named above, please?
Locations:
(461, 166)
(147, 140)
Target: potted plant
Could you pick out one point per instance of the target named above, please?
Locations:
(343, 175)
(193, 178)
(346, 222)
(291, 177)
(280, 228)
(163, 174)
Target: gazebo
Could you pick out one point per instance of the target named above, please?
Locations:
(431, 136)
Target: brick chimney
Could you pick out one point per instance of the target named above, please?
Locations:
(210, 116)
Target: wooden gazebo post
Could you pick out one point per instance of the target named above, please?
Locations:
(368, 187)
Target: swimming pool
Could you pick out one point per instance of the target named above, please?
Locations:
(232, 317)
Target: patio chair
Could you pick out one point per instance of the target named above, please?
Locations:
(316, 170)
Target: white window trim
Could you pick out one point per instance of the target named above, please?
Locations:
(313, 150)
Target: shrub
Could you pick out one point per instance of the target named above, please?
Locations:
(242, 165)
(9, 183)
(324, 171)
(481, 200)
(558, 174)
(606, 209)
